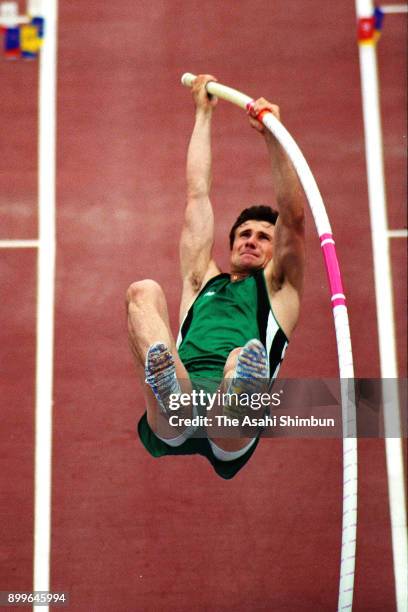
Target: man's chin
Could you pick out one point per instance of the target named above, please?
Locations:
(251, 266)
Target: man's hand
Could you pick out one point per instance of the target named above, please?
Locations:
(257, 107)
(202, 99)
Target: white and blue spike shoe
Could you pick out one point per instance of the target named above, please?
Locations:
(250, 376)
(160, 372)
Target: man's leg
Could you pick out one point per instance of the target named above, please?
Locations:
(148, 324)
(245, 371)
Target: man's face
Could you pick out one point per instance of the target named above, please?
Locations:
(253, 246)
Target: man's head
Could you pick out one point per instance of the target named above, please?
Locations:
(251, 238)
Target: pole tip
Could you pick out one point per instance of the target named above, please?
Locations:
(187, 79)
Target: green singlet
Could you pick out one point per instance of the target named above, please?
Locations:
(223, 317)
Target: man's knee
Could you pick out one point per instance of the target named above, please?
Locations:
(144, 291)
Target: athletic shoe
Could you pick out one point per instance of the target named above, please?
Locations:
(250, 376)
(160, 371)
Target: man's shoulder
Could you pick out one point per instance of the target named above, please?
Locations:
(212, 271)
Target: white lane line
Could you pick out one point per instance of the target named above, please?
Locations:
(19, 244)
(45, 301)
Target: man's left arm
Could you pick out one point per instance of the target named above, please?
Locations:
(284, 273)
(287, 265)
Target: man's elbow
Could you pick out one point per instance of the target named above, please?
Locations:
(294, 218)
(197, 190)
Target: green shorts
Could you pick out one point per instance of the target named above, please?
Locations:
(192, 446)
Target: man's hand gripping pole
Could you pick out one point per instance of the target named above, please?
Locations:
(226, 93)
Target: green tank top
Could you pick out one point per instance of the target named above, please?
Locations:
(224, 316)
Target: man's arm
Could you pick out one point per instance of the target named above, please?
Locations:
(197, 234)
(286, 270)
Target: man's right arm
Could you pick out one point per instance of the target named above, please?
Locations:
(197, 235)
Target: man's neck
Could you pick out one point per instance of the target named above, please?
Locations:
(237, 276)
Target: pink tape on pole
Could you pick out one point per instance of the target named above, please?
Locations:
(338, 301)
(332, 269)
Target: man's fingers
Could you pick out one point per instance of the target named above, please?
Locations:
(201, 80)
(263, 105)
(257, 125)
(199, 89)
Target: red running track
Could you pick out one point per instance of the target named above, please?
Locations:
(130, 533)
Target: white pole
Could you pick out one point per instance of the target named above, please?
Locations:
(384, 301)
(45, 303)
(350, 472)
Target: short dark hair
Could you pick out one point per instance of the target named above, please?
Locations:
(253, 213)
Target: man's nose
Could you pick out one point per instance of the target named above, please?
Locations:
(251, 241)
